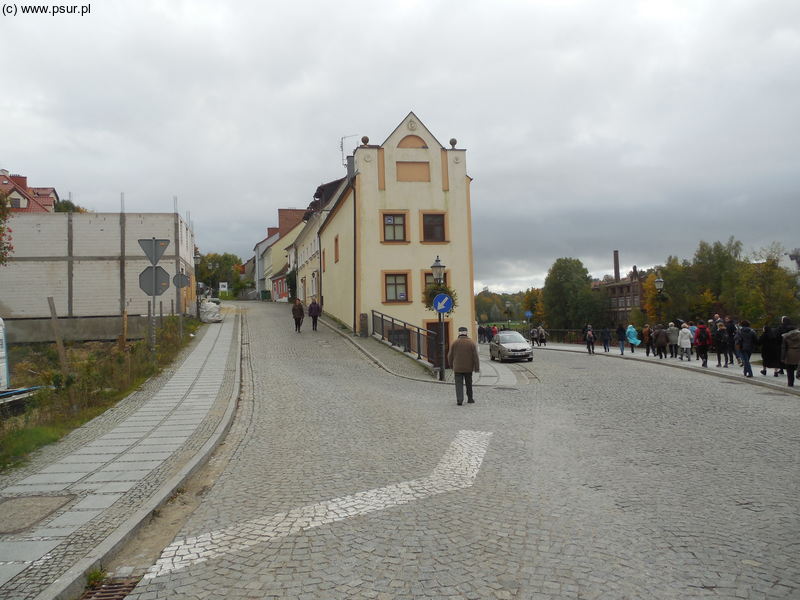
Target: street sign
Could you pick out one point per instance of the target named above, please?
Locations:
(154, 249)
(154, 284)
(442, 303)
(180, 280)
(528, 314)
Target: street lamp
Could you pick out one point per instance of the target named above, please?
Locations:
(508, 312)
(659, 283)
(437, 269)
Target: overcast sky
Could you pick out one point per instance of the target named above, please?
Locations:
(589, 126)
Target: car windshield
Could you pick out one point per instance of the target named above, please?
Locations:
(510, 337)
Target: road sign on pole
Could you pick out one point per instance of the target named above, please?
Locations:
(154, 249)
(154, 281)
(180, 280)
(442, 303)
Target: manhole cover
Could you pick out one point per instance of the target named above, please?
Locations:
(111, 590)
(18, 514)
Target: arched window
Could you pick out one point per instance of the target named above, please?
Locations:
(412, 141)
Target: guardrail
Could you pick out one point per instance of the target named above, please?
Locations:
(412, 339)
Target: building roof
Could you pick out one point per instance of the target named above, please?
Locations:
(39, 199)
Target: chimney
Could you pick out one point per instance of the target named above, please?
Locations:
(351, 166)
(21, 181)
(616, 265)
(272, 231)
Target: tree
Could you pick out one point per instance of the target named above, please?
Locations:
(69, 206)
(214, 268)
(6, 247)
(567, 295)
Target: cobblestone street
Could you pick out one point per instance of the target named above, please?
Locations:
(589, 478)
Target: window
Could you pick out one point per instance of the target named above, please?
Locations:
(429, 279)
(336, 249)
(394, 227)
(433, 227)
(396, 287)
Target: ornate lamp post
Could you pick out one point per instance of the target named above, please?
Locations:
(197, 257)
(659, 283)
(437, 268)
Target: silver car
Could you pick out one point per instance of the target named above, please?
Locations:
(510, 345)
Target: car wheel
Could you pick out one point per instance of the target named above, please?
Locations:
(530, 359)
(491, 355)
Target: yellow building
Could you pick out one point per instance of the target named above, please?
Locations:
(404, 203)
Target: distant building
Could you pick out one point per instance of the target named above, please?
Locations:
(624, 294)
(270, 253)
(24, 199)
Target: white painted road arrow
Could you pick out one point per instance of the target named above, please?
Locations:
(457, 470)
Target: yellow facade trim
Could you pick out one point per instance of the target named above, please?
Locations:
(381, 170)
(445, 172)
(473, 325)
(413, 171)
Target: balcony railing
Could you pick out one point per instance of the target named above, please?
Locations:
(412, 339)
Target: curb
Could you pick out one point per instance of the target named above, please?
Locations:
(730, 376)
(73, 582)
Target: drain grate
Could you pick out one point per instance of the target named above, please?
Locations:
(114, 589)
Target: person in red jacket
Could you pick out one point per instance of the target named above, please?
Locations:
(702, 342)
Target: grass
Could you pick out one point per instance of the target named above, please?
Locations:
(100, 374)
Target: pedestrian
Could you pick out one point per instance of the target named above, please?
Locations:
(298, 313)
(621, 338)
(494, 330)
(730, 326)
(647, 340)
(481, 334)
(542, 336)
(660, 341)
(463, 357)
(314, 311)
(488, 332)
(720, 337)
(685, 342)
(746, 340)
(589, 337)
(605, 337)
(672, 336)
(702, 342)
(790, 350)
(633, 339)
(770, 351)
(535, 335)
(785, 326)
(693, 329)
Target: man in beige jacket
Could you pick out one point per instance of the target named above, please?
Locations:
(463, 358)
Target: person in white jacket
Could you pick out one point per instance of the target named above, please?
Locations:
(685, 342)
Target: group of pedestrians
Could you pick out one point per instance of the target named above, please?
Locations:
(299, 313)
(731, 341)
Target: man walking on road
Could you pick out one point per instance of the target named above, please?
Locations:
(314, 311)
(297, 314)
(463, 357)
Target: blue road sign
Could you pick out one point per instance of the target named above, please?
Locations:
(528, 314)
(443, 303)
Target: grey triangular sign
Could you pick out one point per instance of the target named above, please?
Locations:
(154, 249)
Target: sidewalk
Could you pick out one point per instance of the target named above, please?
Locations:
(733, 372)
(78, 500)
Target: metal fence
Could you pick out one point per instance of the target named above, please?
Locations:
(412, 339)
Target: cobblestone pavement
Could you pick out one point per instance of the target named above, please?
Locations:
(99, 476)
(589, 479)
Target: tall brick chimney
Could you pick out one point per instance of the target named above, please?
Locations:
(21, 181)
(616, 265)
(272, 231)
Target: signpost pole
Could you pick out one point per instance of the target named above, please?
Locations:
(441, 348)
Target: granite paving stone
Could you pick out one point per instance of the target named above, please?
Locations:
(107, 498)
(602, 479)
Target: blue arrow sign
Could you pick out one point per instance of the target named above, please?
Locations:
(528, 314)
(443, 303)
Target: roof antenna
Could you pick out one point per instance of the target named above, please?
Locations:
(341, 147)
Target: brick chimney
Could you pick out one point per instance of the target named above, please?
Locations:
(272, 231)
(21, 181)
(616, 265)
